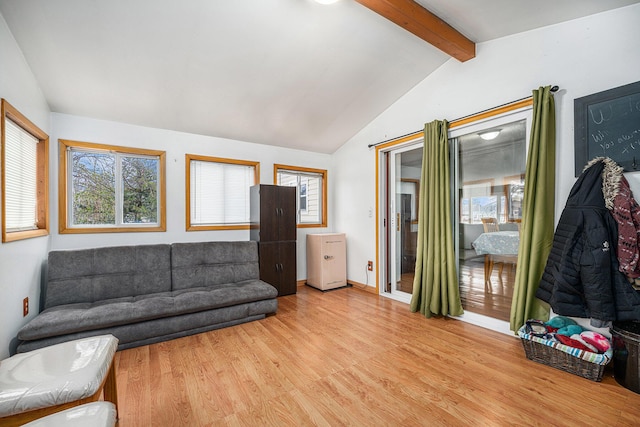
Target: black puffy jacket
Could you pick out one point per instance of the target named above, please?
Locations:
(581, 277)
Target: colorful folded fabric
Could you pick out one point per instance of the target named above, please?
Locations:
(599, 341)
(572, 343)
(577, 337)
(560, 322)
(570, 330)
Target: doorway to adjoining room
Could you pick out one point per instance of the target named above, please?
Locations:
(488, 161)
(489, 187)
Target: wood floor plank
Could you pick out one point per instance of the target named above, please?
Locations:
(348, 357)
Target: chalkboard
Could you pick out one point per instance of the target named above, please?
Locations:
(607, 124)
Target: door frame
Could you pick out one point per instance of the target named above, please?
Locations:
(381, 191)
(383, 252)
(477, 126)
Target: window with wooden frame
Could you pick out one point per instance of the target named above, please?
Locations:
(25, 177)
(478, 200)
(110, 189)
(311, 192)
(217, 192)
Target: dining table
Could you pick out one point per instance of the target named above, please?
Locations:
(497, 243)
(497, 246)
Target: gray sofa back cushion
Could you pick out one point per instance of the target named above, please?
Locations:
(213, 263)
(90, 275)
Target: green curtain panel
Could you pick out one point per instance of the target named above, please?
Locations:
(536, 234)
(435, 286)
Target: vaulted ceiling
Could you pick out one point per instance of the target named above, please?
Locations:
(290, 73)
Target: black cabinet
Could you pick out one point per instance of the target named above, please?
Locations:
(278, 265)
(273, 213)
(273, 226)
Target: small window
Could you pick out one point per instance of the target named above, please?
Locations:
(311, 187)
(25, 181)
(108, 189)
(302, 200)
(218, 192)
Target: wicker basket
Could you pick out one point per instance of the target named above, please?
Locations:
(579, 362)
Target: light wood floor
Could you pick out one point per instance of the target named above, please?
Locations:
(491, 299)
(348, 357)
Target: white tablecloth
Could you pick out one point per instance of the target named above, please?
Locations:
(497, 243)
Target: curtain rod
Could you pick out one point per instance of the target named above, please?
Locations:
(553, 89)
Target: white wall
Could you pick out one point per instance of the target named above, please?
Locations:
(582, 57)
(176, 145)
(20, 261)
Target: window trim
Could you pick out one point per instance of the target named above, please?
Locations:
(197, 157)
(323, 172)
(42, 175)
(63, 188)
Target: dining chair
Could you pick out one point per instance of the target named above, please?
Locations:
(490, 225)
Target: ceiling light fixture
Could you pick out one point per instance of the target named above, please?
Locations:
(490, 134)
(326, 1)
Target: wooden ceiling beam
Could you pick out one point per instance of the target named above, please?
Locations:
(417, 20)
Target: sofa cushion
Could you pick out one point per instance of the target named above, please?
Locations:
(157, 330)
(71, 318)
(206, 264)
(90, 275)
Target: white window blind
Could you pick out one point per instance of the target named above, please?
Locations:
(219, 192)
(20, 178)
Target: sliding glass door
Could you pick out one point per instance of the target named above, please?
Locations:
(488, 161)
(403, 188)
(489, 167)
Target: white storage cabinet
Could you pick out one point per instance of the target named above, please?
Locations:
(327, 260)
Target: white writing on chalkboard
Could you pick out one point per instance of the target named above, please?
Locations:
(629, 141)
(614, 128)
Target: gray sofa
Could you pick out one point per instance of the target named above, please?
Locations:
(149, 293)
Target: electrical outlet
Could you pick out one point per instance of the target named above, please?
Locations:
(25, 306)
(370, 265)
